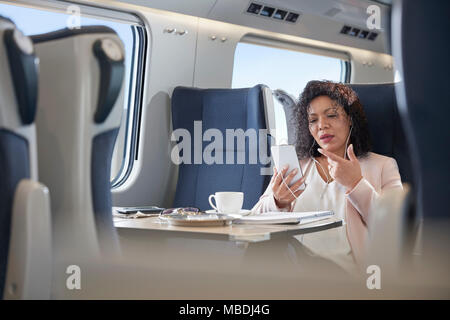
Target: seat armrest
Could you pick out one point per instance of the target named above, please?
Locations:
(30, 260)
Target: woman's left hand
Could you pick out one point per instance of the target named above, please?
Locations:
(346, 172)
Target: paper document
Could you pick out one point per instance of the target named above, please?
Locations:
(285, 217)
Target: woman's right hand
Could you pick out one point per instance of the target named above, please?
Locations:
(283, 194)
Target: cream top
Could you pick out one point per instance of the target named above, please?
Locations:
(333, 243)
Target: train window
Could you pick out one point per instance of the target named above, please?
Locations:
(287, 69)
(34, 19)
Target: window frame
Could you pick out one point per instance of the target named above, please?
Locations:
(343, 56)
(132, 138)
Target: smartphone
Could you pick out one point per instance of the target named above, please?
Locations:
(131, 210)
(285, 155)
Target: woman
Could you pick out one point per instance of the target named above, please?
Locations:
(340, 172)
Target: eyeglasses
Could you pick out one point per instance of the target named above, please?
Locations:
(182, 211)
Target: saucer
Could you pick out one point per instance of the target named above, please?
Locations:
(242, 212)
(198, 220)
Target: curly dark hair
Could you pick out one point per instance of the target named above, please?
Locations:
(345, 97)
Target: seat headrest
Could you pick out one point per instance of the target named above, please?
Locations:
(235, 108)
(18, 76)
(99, 41)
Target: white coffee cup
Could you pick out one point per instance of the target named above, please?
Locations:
(227, 202)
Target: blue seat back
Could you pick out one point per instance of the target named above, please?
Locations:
(219, 109)
(385, 126)
(424, 95)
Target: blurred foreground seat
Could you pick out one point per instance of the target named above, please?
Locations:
(25, 227)
(80, 106)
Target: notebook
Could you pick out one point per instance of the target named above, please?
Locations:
(285, 217)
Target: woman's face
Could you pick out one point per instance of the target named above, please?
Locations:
(329, 124)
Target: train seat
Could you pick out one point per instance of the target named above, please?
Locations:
(222, 109)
